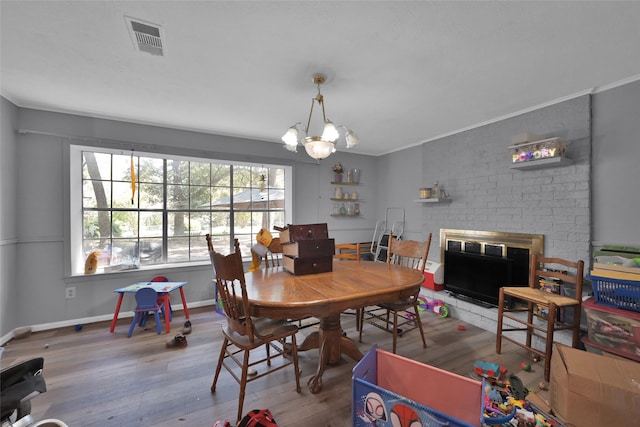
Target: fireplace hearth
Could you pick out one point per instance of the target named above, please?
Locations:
(478, 263)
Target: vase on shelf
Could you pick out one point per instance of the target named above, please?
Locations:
(338, 177)
(355, 176)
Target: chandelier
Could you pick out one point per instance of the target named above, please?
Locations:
(318, 147)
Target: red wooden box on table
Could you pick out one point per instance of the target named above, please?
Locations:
(307, 249)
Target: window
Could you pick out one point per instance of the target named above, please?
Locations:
(162, 215)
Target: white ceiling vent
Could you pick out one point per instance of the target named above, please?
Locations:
(146, 37)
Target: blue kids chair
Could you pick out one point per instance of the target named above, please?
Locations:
(146, 300)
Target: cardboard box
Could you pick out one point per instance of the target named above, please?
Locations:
(586, 389)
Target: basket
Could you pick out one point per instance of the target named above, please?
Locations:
(618, 293)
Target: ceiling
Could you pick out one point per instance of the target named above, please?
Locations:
(399, 72)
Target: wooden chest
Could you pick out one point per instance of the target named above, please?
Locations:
(300, 266)
(295, 233)
(310, 248)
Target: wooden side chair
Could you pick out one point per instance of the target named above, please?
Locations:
(538, 311)
(351, 252)
(244, 333)
(406, 315)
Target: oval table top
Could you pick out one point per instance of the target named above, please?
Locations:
(276, 293)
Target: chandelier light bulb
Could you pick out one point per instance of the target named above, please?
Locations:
(351, 138)
(291, 137)
(330, 133)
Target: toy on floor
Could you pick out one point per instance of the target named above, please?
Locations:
(437, 306)
(491, 371)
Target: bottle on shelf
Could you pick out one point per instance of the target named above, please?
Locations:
(435, 190)
(337, 194)
(343, 209)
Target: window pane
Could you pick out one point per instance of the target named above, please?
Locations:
(125, 224)
(200, 197)
(150, 251)
(151, 224)
(151, 196)
(122, 194)
(151, 170)
(125, 251)
(199, 251)
(200, 174)
(122, 167)
(96, 194)
(221, 223)
(178, 223)
(97, 225)
(96, 165)
(220, 175)
(178, 249)
(242, 176)
(200, 224)
(220, 198)
(177, 196)
(177, 172)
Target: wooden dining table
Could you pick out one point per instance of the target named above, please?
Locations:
(278, 294)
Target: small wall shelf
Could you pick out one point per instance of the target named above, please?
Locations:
(433, 200)
(344, 183)
(346, 200)
(542, 163)
(346, 215)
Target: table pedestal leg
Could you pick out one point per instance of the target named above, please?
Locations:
(331, 344)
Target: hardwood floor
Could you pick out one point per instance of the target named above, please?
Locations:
(95, 378)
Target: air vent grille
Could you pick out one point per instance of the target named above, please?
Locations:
(146, 37)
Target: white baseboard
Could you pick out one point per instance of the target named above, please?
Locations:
(87, 320)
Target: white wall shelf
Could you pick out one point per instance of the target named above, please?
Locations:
(542, 163)
(433, 200)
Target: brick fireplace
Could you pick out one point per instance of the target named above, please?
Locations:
(476, 246)
(478, 263)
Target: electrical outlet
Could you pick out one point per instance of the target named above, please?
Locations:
(70, 292)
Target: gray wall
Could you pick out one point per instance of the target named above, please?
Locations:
(8, 217)
(35, 278)
(616, 171)
(473, 166)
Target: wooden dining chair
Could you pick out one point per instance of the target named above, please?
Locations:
(273, 257)
(538, 310)
(349, 252)
(401, 316)
(244, 333)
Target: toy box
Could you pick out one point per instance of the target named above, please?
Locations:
(586, 389)
(388, 389)
(613, 329)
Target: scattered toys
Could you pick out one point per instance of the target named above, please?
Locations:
(525, 366)
(491, 371)
(437, 306)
